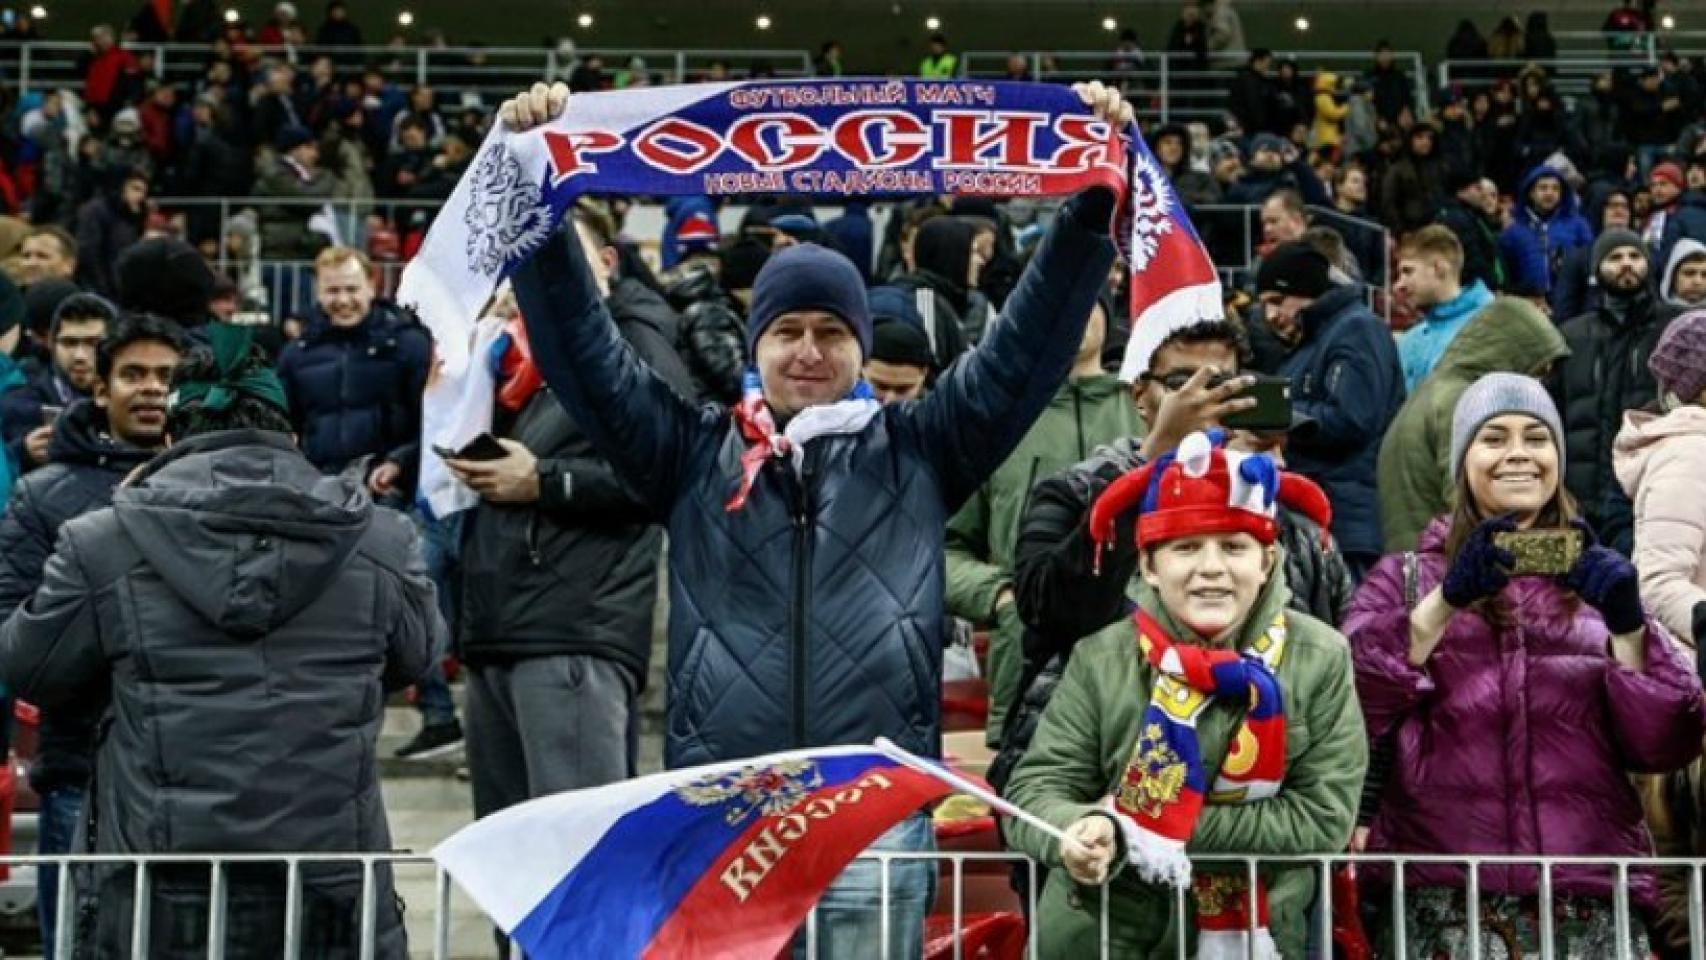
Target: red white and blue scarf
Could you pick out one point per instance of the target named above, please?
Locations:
(837, 139)
(764, 442)
(1165, 785)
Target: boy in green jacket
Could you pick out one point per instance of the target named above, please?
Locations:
(1133, 756)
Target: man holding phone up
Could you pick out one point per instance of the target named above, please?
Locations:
(559, 569)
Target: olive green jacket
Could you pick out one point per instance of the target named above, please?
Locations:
(1086, 738)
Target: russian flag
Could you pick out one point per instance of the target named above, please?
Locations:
(724, 860)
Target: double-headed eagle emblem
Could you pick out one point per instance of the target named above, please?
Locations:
(506, 217)
(769, 790)
(1151, 207)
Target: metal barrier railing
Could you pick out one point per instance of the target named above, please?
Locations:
(483, 70)
(1163, 86)
(952, 867)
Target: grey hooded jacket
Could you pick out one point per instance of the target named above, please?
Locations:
(242, 617)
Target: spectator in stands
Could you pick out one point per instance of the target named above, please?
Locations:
(1677, 211)
(159, 116)
(828, 63)
(1091, 409)
(559, 570)
(1172, 146)
(1430, 278)
(111, 75)
(106, 226)
(1564, 672)
(445, 171)
(28, 413)
(276, 109)
(334, 607)
(1574, 290)
(276, 32)
(1187, 41)
(41, 302)
(900, 364)
(214, 165)
(1624, 25)
(939, 63)
(44, 129)
(1018, 69)
(588, 75)
(1276, 164)
(1345, 377)
(96, 443)
(1606, 375)
(1506, 41)
(354, 379)
(1100, 720)
(947, 271)
(1510, 335)
(295, 174)
(1660, 456)
(1651, 116)
(1546, 226)
(1331, 109)
(1394, 90)
(1251, 100)
(198, 22)
(1466, 43)
(1683, 284)
(1283, 219)
(423, 106)
(48, 253)
(1464, 214)
(1414, 186)
(337, 30)
(1597, 118)
(1225, 28)
(405, 166)
(885, 478)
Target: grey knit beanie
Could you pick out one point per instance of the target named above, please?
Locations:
(1611, 240)
(1497, 394)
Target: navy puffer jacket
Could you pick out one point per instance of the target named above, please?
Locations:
(356, 391)
(813, 615)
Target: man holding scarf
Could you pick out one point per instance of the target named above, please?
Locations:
(1227, 723)
(806, 525)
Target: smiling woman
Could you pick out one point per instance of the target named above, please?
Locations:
(1494, 687)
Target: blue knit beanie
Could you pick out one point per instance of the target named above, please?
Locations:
(809, 277)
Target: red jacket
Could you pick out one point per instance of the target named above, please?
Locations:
(104, 71)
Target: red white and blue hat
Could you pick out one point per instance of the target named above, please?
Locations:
(1204, 488)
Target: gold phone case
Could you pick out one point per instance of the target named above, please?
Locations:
(1549, 553)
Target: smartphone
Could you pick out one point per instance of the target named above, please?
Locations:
(483, 447)
(1272, 410)
(1542, 553)
(50, 414)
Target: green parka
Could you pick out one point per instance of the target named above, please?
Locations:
(1087, 736)
(1085, 414)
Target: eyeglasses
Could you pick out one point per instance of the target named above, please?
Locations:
(1175, 381)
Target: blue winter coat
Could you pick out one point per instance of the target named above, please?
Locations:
(1421, 346)
(813, 614)
(356, 391)
(1533, 245)
(1345, 377)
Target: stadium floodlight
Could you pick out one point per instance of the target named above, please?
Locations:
(585, 21)
(932, 23)
(1302, 24)
(763, 22)
(1110, 24)
(1668, 22)
(38, 12)
(231, 15)
(405, 19)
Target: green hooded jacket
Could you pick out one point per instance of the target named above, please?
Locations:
(1083, 415)
(1414, 472)
(1085, 741)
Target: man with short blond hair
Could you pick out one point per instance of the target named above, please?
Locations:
(48, 253)
(1430, 270)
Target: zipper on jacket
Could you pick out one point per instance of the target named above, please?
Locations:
(799, 622)
(1078, 418)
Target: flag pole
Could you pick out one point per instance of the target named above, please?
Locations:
(966, 786)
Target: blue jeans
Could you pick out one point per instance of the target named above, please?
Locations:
(849, 916)
(61, 814)
(441, 541)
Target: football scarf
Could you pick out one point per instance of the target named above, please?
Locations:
(1165, 785)
(834, 139)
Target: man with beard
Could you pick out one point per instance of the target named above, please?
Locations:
(95, 443)
(1605, 375)
(79, 325)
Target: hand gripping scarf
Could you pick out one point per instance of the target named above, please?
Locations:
(1165, 785)
(838, 139)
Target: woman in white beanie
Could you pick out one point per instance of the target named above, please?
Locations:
(1660, 457)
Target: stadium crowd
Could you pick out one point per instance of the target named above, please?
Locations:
(1489, 306)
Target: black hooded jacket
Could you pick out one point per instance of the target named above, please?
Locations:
(942, 253)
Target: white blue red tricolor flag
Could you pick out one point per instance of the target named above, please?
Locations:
(723, 860)
(837, 139)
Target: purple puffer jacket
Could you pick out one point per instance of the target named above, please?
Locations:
(1517, 741)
